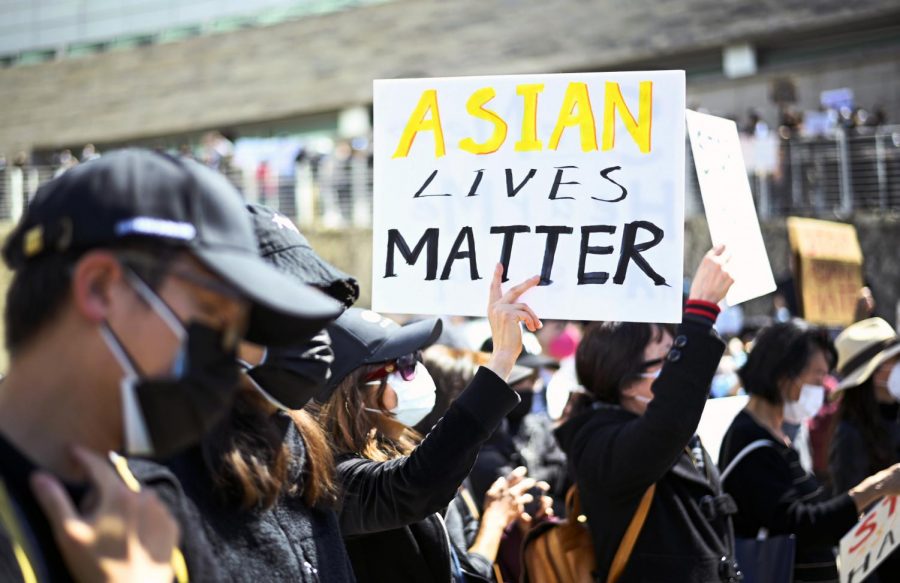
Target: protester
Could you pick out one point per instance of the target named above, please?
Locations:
(647, 389)
(132, 284)
(261, 484)
(867, 437)
(783, 375)
(493, 537)
(392, 489)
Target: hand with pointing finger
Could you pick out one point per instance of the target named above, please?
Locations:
(126, 536)
(505, 312)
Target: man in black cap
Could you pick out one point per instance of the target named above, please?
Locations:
(135, 275)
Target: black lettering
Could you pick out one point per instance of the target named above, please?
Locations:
(429, 239)
(465, 234)
(419, 194)
(605, 174)
(862, 570)
(474, 190)
(632, 252)
(592, 277)
(553, 234)
(509, 233)
(512, 191)
(884, 544)
(558, 181)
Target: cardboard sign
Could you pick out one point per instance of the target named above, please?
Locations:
(729, 206)
(828, 270)
(871, 541)
(576, 177)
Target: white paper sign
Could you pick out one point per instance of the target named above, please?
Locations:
(729, 206)
(871, 541)
(576, 177)
(717, 418)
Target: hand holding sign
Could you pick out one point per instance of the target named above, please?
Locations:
(712, 280)
(884, 483)
(504, 313)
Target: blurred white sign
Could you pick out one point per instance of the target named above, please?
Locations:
(576, 177)
(729, 206)
(717, 417)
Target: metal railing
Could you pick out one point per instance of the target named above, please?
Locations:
(824, 177)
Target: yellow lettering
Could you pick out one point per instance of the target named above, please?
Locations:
(529, 141)
(640, 129)
(418, 123)
(475, 107)
(576, 98)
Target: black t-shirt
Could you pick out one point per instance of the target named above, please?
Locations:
(41, 549)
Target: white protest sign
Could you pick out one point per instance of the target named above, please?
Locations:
(716, 419)
(576, 177)
(871, 541)
(729, 206)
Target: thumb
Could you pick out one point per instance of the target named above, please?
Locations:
(53, 500)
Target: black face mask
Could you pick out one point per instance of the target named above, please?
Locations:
(290, 377)
(163, 415)
(523, 408)
(178, 412)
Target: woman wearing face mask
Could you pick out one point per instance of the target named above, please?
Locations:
(393, 489)
(783, 375)
(260, 485)
(867, 436)
(633, 440)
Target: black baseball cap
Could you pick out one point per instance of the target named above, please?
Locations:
(361, 337)
(282, 244)
(140, 194)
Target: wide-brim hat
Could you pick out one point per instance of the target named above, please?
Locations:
(863, 347)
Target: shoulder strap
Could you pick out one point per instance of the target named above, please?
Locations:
(121, 465)
(16, 536)
(631, 535)
(748, 449)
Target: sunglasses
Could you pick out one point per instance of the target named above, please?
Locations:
(405, 366)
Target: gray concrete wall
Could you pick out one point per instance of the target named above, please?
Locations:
(327, 62)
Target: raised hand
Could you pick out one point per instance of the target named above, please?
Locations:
(712, 280)
(505, 312)
(125, 536)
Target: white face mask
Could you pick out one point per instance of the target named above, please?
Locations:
(811, 399)
(893, 382)
(415, 398)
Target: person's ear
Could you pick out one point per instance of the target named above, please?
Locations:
(95, 279)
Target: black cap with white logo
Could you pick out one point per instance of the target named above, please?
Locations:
(138, 193)
(360, 337)
(282, 244)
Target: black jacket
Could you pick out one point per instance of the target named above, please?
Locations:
(289, 542)
(529, 443)
(390, 515)
(773, 491)
(616, 455)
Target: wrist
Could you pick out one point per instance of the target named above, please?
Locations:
(502, 361)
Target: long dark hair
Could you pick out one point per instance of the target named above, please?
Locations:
(610, 356)
(251, 465)
(352, 429)
(860, 408)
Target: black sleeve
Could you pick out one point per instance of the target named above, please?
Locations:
(848, 461)
(762, 487)
(385, 495)
(639, 452)
(489, 465)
